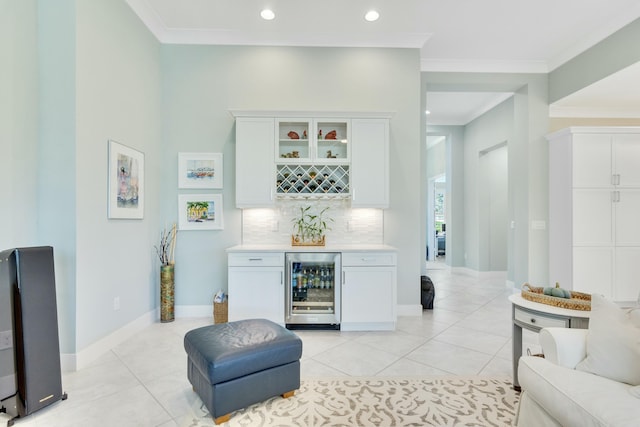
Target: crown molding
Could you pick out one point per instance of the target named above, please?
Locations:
(589, 112)
(483, 66)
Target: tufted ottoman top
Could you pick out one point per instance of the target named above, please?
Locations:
(232, 350)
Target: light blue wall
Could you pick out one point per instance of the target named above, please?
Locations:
(118, 97)
(527, 164)
(57, 177)
(492, 128)
(74, 74)
(18, 123)
(612, 54)
(75, 83)
(202, 83)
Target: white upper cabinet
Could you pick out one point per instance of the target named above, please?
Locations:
(315, 156)
(370, 163)
(591, 161)
(626, 160)
(254, 168)
(594, 206)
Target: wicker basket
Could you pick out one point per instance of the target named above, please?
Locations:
(220, 312)
(578, 300)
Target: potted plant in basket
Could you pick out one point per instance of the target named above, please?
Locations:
(309, 228)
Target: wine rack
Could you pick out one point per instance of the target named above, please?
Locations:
(312, 180)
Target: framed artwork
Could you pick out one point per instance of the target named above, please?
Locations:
(200, 212)
(200, 170)
(126, 182)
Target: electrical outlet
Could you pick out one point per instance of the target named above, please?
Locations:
(6, 339)
(274, 225)
(116, 304)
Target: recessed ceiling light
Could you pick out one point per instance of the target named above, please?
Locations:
(267, 14)
(371, 16)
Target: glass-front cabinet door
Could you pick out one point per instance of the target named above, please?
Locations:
(293, 140)
(332, 141)
(320, 141)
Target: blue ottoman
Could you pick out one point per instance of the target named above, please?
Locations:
(236, 364)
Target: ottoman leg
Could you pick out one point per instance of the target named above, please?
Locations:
(222, 419)
(288, 394)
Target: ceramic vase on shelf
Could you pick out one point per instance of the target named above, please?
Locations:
(167, 293)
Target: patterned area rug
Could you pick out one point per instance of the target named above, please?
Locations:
(384, 402)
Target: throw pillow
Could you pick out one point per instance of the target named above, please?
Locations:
(613, 342)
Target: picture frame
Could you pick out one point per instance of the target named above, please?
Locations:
(126, 182)
(200, 170)
(200, 212)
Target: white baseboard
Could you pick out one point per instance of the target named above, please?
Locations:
(409, 309)
(479, 274)
(193, 311)
(76, 361)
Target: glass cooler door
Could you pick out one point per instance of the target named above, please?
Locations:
(313, 289)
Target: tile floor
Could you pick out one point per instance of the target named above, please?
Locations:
(143, 381)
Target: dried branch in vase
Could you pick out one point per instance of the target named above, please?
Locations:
(167, 245)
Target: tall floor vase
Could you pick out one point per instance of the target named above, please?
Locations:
(167, 294)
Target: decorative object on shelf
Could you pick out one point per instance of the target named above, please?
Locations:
(126, 182)
(200, 212)
(309, 228)
(578, 300)
(291, 155)
(330, 155)
(304, 134)
(200, 170)
(331, 135)
(293, 135)
(320, 134)
(167, 274)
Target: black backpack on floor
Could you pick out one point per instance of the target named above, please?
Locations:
(428, 292)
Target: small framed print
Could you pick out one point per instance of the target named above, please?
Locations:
(200, 170)
(126, 182)
(200, 212)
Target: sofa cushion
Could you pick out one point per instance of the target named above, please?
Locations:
(576, 398)
(613, 342)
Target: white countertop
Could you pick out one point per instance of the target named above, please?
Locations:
(545, 308)
(327, 248)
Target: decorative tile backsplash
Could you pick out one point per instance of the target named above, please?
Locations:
(349, 226)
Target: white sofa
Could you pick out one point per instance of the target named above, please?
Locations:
(554, 393)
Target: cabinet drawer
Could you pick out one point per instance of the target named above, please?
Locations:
(356, 259)
(256, 259)
(540, 321)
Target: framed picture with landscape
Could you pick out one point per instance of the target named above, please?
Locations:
(126, 182)
(200, 170)
(200, 212)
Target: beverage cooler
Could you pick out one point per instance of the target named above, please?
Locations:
(312, 296)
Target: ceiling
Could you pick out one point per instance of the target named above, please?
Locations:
(452, 35)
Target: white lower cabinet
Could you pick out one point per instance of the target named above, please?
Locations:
(368, 291)
(256, 286)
